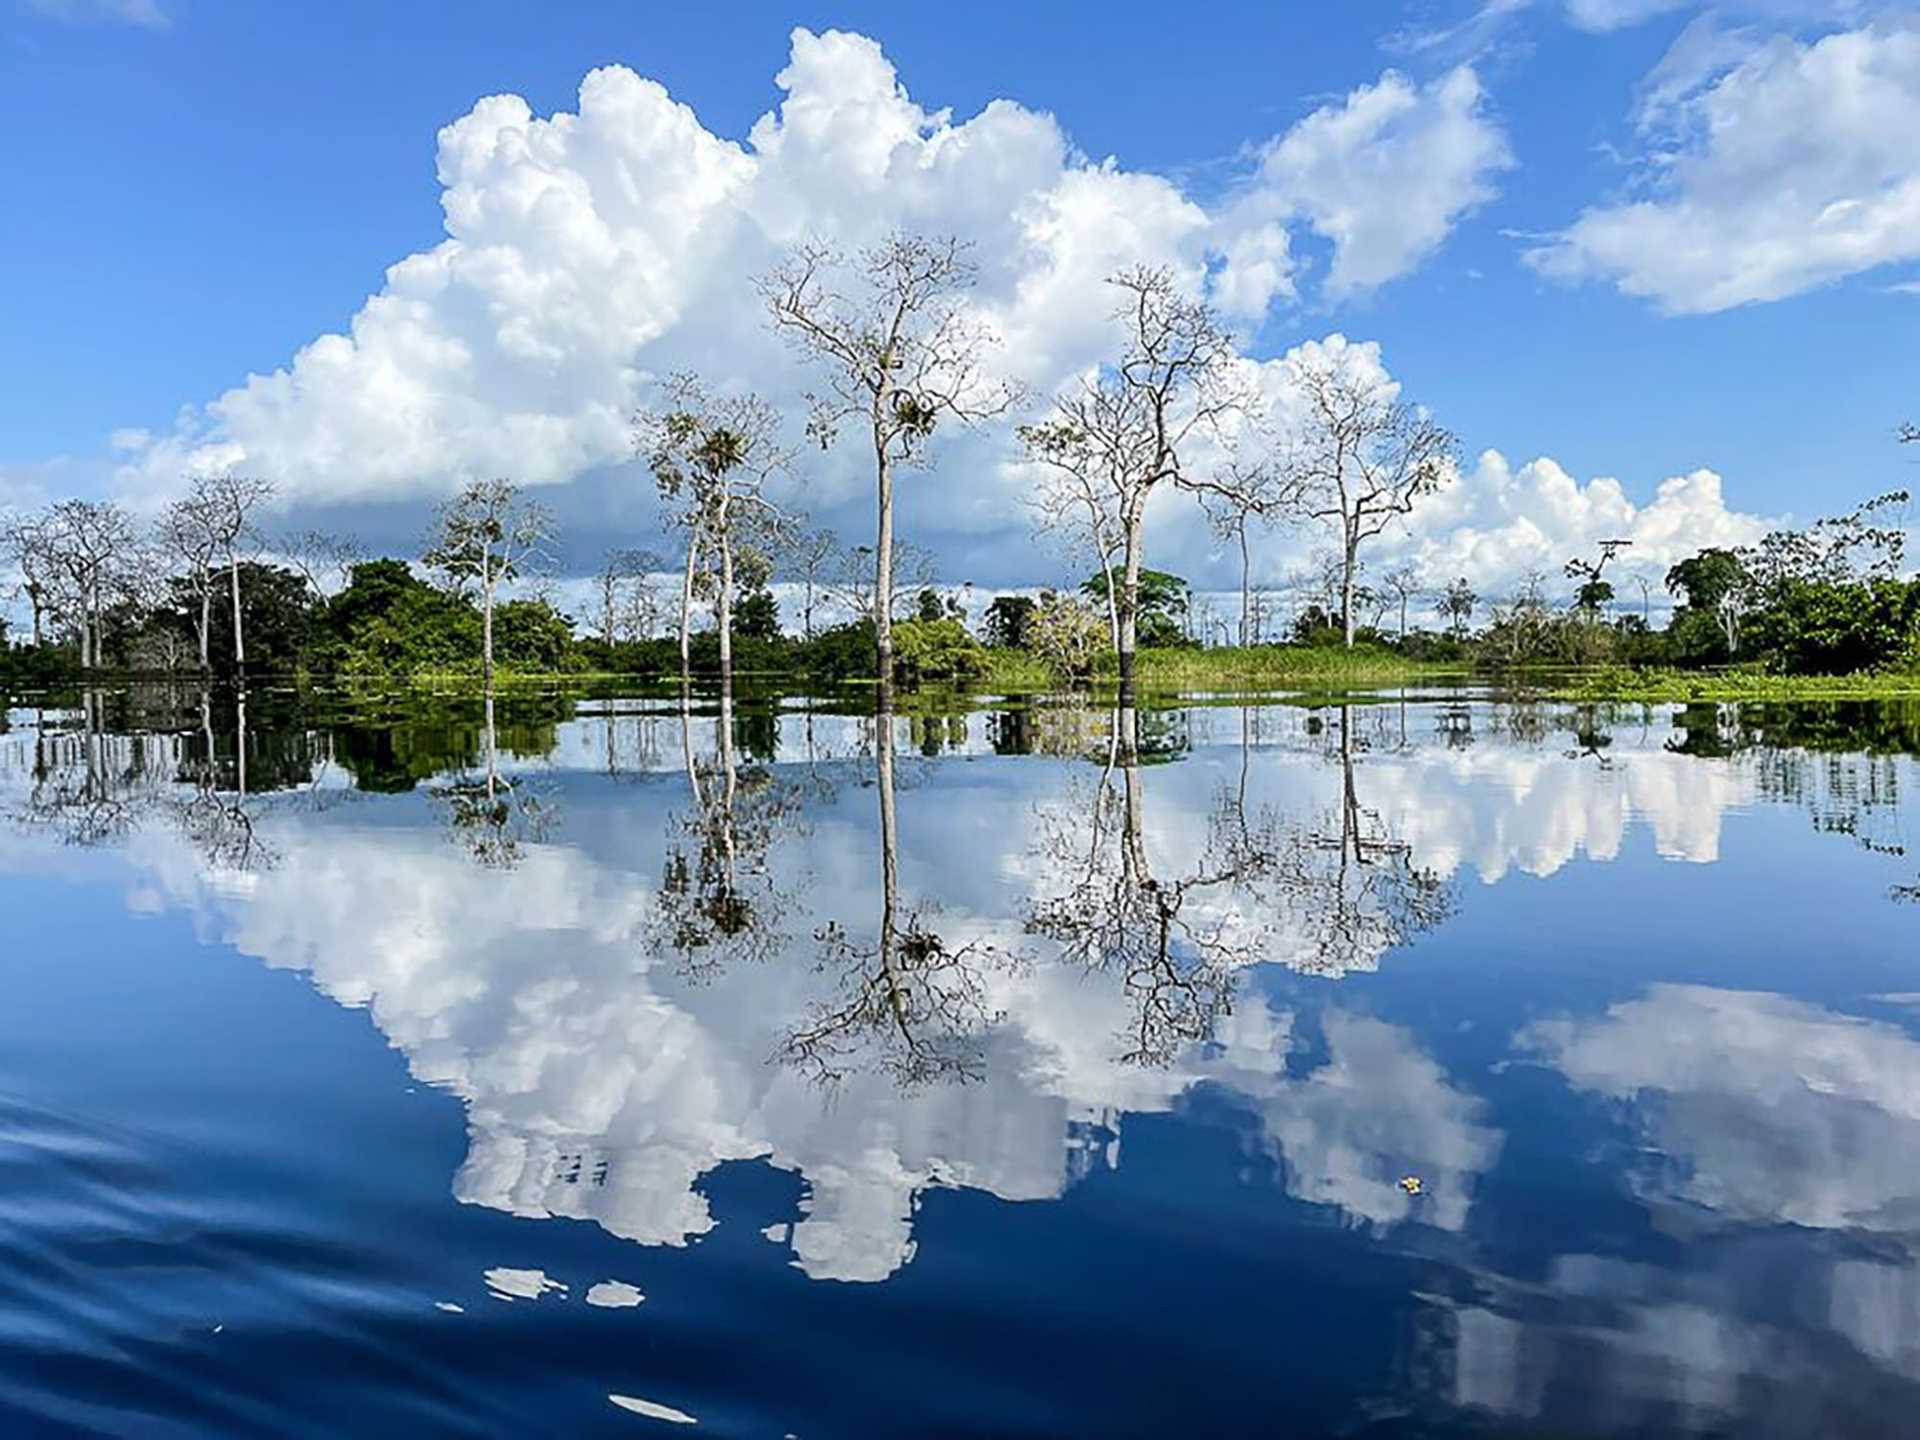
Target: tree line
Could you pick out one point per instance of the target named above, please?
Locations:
(1327, 444)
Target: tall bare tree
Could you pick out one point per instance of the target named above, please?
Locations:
(809, 556)
(1111, 441)
(1356, 459)
(1405, 584)
(24, 541)
(324, 558)
(713, 455)
(188, 536)
(1237, 495)
(90, 548)
(227, 504)
(485, 535)
(891, 333)
(621, 581)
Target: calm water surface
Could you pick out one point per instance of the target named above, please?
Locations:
(1428, 1067)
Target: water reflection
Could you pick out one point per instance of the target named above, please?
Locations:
(1068, 925)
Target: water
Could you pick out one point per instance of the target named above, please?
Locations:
(1435, 1067)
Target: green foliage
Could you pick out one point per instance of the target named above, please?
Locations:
(1164, 598)
(1008, 622)
(936, 650)
(757, 616)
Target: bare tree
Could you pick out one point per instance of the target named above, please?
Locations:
(1118, 436)
(1404, 583)
(1357, 459)
(188, 536)
(226, 505)
(1237, 495)
(851, 582)
(24, 542)
(623, 576)
(89, 547)
(485, 535)
(809, 556)
(900, 352)
(714, 456)
(324, 558)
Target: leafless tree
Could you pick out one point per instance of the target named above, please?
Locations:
(1356, 459)
(90, 550)
(24, 542)
(891, 333)
(713, 456)
(227, 504)
(485, 535)
(809, 556)
(850, 582)
(324, 558)
(1110, 442)
(1237, 495)
(189, 537)
(1405, 584)
(622, 579)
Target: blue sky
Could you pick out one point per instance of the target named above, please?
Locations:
(199, 189)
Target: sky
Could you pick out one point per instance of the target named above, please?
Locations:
(1656, 263)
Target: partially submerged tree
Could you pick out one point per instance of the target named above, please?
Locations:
(1124, 432)
(1357, 458)
(900, 353)
(189, 538)
(809, 556)
(90, 550)
(713, 456)
(486, 535)
(1238, 495)
(24, 542)
(1404, 583)
(622, 578)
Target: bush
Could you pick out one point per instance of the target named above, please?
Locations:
(936, 650)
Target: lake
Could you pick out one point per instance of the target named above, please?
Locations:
(1433, 1065)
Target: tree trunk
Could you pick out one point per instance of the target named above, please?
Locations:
(1403, 618)
(1246, 589)
(206, 623)
(486, 631)
(883, 566)
(1346, 591)
(33, 598)
(686, 607)
(239, 641)
(1129, 603)
(726, 614)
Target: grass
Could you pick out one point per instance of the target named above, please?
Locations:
(1655, 684)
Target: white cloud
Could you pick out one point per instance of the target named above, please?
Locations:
(1433, 149)
(1790, 170)
(588, 252)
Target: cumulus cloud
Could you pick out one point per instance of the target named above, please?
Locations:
(1790, 169)
(1435, 149)
(588, 252)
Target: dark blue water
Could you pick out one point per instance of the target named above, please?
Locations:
(1428, 1068)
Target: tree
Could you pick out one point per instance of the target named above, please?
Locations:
(188, 533)
(757, 616)
(1404, 584)
(24, 541)
(808, 555)
(1458, 602)
(485, 535)
(90, 548)
(622, 573)
(1596, 591)
(1357, 459)
(714, 455)
(1235, 496)
(1065, 633)
(226, 503)
(324, 558)
(1008, 622)
(1715, 584)
(900, 352)
(1120, 435)
(1161, 605)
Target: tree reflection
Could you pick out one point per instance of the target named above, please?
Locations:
(908, 1002)
(719, 899)
(493, 816)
